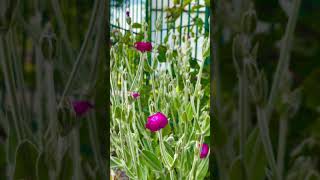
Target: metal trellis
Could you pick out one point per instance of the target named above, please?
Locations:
(149, 10)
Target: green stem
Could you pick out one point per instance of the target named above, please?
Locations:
(171, 174)
(282, 143)
(242, 110)
(266, 141)
(9, 88)
(139, 72)
(19, 74)
(76, 154)
(80, 56)
(39, 92)
(94, 143)
(284, 56)
(51, 99)
(58, 14)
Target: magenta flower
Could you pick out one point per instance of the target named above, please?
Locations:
(156, 122)
(204, 150)
(135, 95)
(143, 46)
(81, 107)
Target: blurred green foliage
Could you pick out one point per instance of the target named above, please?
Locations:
(303, 128)
(43, 43)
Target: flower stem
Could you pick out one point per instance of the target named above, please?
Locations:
(9, 88)
(265, 137)
(282, 143)
(284, 56)
(80, 56)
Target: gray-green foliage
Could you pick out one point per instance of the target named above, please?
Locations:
(247, 143)
(43, 66)
(172, 152)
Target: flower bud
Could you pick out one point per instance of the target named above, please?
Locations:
(206, 48)
(240, 51)
(249, 21)
(128, 20)
(259, 87)
(174, 37)
(118, 22)
(48, 43)
(159, 23)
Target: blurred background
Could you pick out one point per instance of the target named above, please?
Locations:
(52, 54)
(302, 145)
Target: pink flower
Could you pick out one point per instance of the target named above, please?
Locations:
(156, 122)
(135, 95)
(81, 107)
(204, 150)
(143, 46)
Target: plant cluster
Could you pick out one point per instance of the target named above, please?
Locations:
(160, 123)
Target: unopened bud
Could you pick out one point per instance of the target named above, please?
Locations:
(249, 21)
(174, 37)
(48, 43)
(128, 20)
(159, 23)
(259, 88)
(240, 51)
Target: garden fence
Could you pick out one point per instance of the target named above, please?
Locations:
(192, 20)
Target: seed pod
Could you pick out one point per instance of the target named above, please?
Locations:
(48, 43)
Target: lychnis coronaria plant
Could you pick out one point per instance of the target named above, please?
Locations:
(160, 119)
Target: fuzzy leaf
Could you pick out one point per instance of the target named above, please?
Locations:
(220, 136)
(151, 160)
(189, 112)
(196, 7)
(237, 170)
(42, 167)
(115, 162)
(255, 158)
(311, 88)
(207, 2)
(66, 171)
(26, 158)
(2, 159)
(162, 50)
(203, 168)
(136, 25)
(169, 148)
